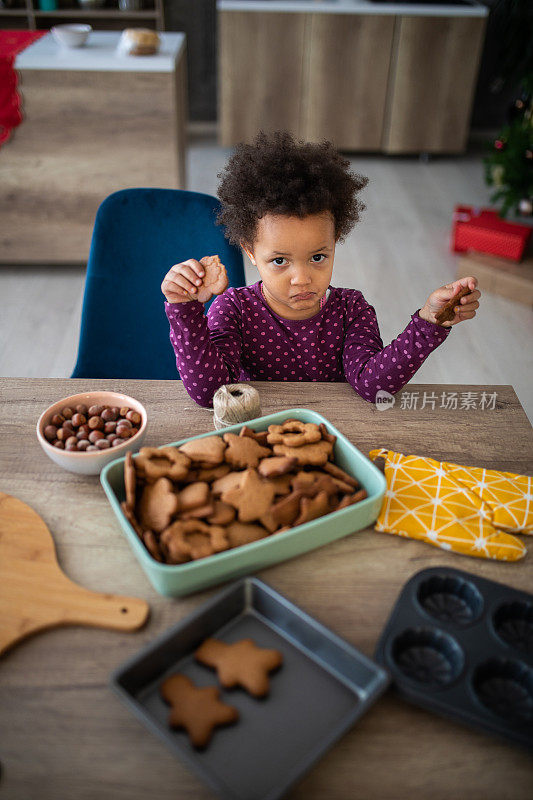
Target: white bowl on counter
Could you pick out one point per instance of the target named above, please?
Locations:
(72, 35)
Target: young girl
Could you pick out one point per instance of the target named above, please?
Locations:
(287, 204)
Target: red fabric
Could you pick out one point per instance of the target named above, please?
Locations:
(11, 43)
(483, 230)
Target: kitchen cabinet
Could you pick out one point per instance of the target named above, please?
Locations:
(383, 82)
(261, 74)
(432, 84)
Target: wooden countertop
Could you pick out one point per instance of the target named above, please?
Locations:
(64, 735)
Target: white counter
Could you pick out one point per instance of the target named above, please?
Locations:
(353, 7)
(99, 54)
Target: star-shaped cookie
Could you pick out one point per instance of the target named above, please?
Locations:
(252, 498)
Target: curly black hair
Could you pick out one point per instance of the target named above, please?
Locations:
(279, 174)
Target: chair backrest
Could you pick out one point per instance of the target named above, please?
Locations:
(138, 235)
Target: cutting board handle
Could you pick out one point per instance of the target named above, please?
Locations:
(100, 610)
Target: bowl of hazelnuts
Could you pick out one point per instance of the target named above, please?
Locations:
(84, 432)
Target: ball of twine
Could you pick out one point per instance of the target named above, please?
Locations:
(234, 403)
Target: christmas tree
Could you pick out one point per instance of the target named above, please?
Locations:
(509, 165)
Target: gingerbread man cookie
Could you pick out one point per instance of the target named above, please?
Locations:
(198, 710)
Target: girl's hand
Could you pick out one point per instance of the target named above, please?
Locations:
(183, 283)
(438, 299)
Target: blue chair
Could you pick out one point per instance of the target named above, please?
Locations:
(138, 235)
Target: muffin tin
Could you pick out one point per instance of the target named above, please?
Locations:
(463, 646)
(323, 687)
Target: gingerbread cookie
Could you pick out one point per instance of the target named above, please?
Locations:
(157, 505)
(328, 437)
(315, 454)
(222, 514)
(339, 473)
(282, 513)
(192, 539)
(243, 451)
(276, 465)
(215, 278)
(132, 519)
(294, 433)
(162, 462)
(198, 710)
(351, 499)
(447, 312)
(130, 481)
(208, 451)
(230, 481)
(240, 664)
(240, 533)
(150, 542)
(212, 473)
(259, 436)
(312, 507)
(194, 495)
(252, 498)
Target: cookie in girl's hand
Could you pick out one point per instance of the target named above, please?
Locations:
(240, 664)
(215, 280)
(198, 710)
(447, 312)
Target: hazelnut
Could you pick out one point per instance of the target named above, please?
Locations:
(83, 444)
(117, 441)
(124, 423)
(102, 444)
(63, 434)
(50, 433)
(79, 419)
(109, 414)
(67, 412)
(123, 411)
(68, 425)
(124, 433)
(134, 417)
(96, 423)
(83, 432)
(133, 431)
(109, 427)
(94, 436)
(111, 437)
(72, 441)
(59, 445)
(93, 448)
(82, 409)
(95, 411)
(57, 420)
(71, 447)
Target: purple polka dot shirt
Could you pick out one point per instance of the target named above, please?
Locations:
(242, 339)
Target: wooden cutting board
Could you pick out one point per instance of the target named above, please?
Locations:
(35, 594)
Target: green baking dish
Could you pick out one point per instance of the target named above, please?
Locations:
(177, 580)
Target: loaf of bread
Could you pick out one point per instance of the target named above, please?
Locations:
(139, 42)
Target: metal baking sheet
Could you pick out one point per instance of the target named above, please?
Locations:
(321, 690)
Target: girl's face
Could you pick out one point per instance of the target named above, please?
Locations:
(294, 257)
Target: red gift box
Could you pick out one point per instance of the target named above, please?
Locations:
(483, 230)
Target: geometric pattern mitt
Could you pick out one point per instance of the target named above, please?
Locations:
(467, 510)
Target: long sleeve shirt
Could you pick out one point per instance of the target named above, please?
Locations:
(242, 339)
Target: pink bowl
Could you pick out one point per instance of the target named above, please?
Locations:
(91, 463)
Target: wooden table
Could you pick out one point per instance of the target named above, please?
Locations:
(64, 735)
(94, 122)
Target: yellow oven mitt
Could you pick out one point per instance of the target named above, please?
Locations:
(465, 509)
